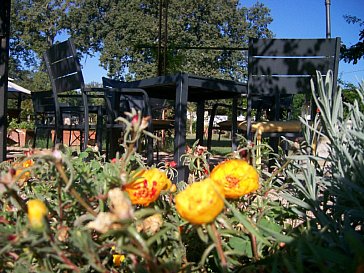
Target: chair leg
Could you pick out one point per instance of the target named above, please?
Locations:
(149, 150)
(83, 144)
(157, 148)
(49, 135)
(70, 138)
(58, 136)
(35, 137)
(107, 144)
(157, 154)
(99, 135)
(209, 138)
(112, 140)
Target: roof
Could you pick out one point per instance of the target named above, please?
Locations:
(13, 87)
(16, 91)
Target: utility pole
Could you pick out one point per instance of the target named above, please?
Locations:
(328, 18)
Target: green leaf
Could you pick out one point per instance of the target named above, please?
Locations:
(83, 155)
(158, 236)
(269, 225)
(241, 245)
(296, 201)
(276, 235)
(136, 235)
(145, 212)
(243, 219)
(206, 254)
(202, 234)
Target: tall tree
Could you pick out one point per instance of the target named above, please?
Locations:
(34, 27)
(126, 33)
(356, 51)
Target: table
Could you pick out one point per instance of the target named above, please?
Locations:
(183, 87)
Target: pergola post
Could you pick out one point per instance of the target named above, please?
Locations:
(4, 62)
(162, 37)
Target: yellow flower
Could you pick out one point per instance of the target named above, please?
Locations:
(146, 186)
(37, 210)
(200, 202)
(173, 188)
(237, 177)
(117, 259)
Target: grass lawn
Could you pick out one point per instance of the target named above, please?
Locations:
(218, 147)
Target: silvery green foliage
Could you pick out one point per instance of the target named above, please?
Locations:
(346, 155)
(327, 193)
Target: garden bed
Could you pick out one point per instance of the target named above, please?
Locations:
(63, 211)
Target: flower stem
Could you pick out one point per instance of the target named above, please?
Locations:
(73, 192)
(278, 171)
(18, 199)
(253, 242)
(60, 203)
(218, 245)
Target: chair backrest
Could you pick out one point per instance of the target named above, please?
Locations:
(43, 102)
(44, 109)
(63, 67)
(64, 71)
(119, 102)
(283, 67)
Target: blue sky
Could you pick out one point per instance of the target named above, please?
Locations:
(294, 19)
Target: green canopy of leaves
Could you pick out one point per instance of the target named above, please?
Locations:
(355, 52)
(126, 34)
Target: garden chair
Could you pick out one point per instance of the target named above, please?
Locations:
(120, 100)
(44, 115)
(277, 70)
(72, 111)
(221, 126)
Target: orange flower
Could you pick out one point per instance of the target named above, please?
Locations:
(20, 166)
(237, 177)
(200, 202)
(146, 186)
(37, 210)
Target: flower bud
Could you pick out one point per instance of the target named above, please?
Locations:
(151, 225)
(37, 211)
(120, 204)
